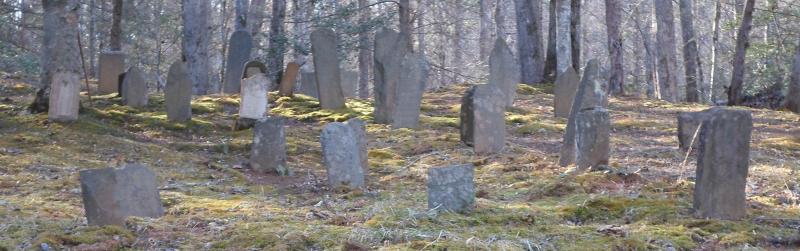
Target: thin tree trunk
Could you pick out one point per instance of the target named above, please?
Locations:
(195, 43)
(793, 97)
(667, 61)
(617, 77)
(742, 43)
(575, 33)
(529, 42)
(690, 53)
(485, 25)
(550, 60)
(115, 40)
(363, 52)
(712, 84)
(277, 42)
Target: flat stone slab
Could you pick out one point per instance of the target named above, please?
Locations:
(268, 153)
(565, 89)
(64, 102)
(178, 93)
(688, 126)
(409, 91)
(110, 65)
(239, 49)
(344, 153)
(112, 195)
(134, 93)
(593, 132)
(482, 119)
(504, 71)
(452, 188)
(326, 69)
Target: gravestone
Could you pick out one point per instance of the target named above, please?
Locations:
(593, 132)
(452, 188)
(482, 119)
(409, 91)
(590, 94)
(134, 88)
(64, 102)
(111, 195)
(722, 164)
(350, 84)
(253, 104)
(326, 69)
(111, 64)
(344, 153)
(239, 49)
(390, 49)
(504, 71)
(268, 153)
(178, 93)
(565, 89)
(688, 124)
(308, 84)
(286, 88)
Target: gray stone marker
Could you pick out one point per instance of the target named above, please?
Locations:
(288, 80)
(688, 124)
(134, 93)
(268, 153)
(565, 89)
(593, 132)
(722, 164)
(452, 188)
(308, 84)
(349, 83)
(111, 64)
(590, 94)
(409, 91)
(326, 69)
(504, 71)
(241, 44)
(178, 93)
(111, 195)
(344, 153)
(64, 102)
(482, 119)
(254, 104)
(390, 49)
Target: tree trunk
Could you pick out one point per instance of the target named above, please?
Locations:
(575, 33)
(667, 61)
(615, 50)
(742, 43)
(363, 52)
(712, 84)
(793, 97)
(277, 42)
(690, 54)
(59, 51)
(529, 41)
(405, 22)
(550, 60)
(115, 40)
(195, 43)
(485, 25)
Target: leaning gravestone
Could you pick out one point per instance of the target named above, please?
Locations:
(111, 64)
(688, 124)
(344, 153)
(349, 83)
(268, 153)
(241, 44)
(566, 86)
(722, 164)
(504, 71)
(308, 84)
(389, 52)
(326, 69)
(134, 88)
(253, 104)
(409, 91)
(111, 195)
(286, 88)
(593, 129)
(482, 119)
(590, 94)
(178, 93)
(452, 188)
(64, 101)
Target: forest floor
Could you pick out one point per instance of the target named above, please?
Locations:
(525, 201)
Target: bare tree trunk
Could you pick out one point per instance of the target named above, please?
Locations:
(793, 97)
(59, 51)
(563, 36)
(691, 58)
(615, 50)
(405, 22)
(667, 61)
(575, 33)
(550, 60)
(277, 42)
(195, 43)
(742, 43)
(363, 52)
(115, 40)
(712, 94)
(529, 41)
(485, 25)
(240, 21)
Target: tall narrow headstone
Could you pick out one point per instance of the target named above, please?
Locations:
(504, 71)
(308, 84)
(286, 88)
(590, 94)
(349, 83)
(722, 164)
(390, 48)
(593, 132)
(688, 125)
(452, 188)
(565, 88)
(112, 195)
(268, 153)
(482, 119)
(344, 153)
(111, 64)
(326, 69)
(409, 91)
(178, 93)
(64, 101)
(254, 104)
(240, 46)
(134, 93)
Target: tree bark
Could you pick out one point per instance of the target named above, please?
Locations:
(793, 97)
(485, 25)
(742, 43)
(563, 36)
(529, 40)
(364, 54)
(115, 40)
(550, 60)
(691, 58)
(277, 42)
(575, 33)
(615, 50)
(59, 51)
(712, 96)
(195, 43)
(667, 61)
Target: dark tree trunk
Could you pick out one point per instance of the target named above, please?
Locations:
(742, 43)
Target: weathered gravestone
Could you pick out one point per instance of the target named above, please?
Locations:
(111, 64)
(349, 83)
(504, 71)
(253, 104)
(112, 195)
(482, 119)
(688, 127)
(134, 88)
(178, 93)
(722, 164)
(326, 69)
(64, 102)
(308, 84)
(593, 129)
(590, 94)
(286, 88)
(390, 49)
(268, 153)
(241, 44)
(452, 188)
(565, 89)
(344, 153)
(409, 91)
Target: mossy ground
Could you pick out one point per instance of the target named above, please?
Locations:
(525, 201)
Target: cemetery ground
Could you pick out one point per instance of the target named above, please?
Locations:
(525, 200)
